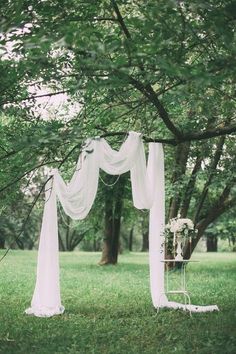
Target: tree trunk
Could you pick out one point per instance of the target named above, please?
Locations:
(2, 242)
(145, 244)
(95, 245)
(221, 205)
(107, 256)
(67, 233)
(20, 244)
(116, 229)
(211, 243)
(61, 244)
(113, 211)
(131, 236)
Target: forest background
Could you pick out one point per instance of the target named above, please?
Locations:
(72, 69)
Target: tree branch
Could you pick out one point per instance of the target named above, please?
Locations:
(25, 174)
(34, 96)
(212, 169)
(147, 90)
(120, 19)
(220, 206)
(207, 134)
(210, 133)
(61, 162)
(146, 139)
(190, 186)
(26, 219)
(223, 204)
(181, 158)
(35, 201)
(94, 19)
(10, 153)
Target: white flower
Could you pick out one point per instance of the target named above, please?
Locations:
(178, 225)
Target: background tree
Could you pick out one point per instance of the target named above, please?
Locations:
(128, 69)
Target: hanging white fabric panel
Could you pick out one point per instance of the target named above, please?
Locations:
(157, 224)
(77, 198)
(46, 299)
(78, 195)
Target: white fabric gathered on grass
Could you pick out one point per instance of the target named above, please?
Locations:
(77, 197)
(189, 307)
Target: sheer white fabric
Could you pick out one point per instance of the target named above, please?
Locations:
(156, 225)
(77, 198)
(78, 195)
(46, 299)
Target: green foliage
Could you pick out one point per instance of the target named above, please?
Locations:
(184, 51)
(109, 310)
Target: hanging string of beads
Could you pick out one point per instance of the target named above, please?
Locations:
(63, 218)
(109, 185)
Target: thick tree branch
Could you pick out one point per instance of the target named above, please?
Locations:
(147, 90)
(223, 204)
(146, 139)
(207, 134)
(210, 133)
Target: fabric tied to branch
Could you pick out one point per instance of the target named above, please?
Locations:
(77, 198)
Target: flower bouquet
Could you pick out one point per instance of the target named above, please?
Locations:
(177, 232)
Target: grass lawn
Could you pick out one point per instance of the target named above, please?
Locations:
(109, 309)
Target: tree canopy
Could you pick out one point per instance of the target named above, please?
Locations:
(166, 69)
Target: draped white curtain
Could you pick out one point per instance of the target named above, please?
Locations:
(77, 198)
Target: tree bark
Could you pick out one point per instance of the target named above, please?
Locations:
(131, 236)
(212, 168)
(182, 152)
(61, 244)
(145, 244)
(67, 232)
(108, 234)
(2, 242)
(116, 228)
(212, 243)
(190, 187)
(222, 205)
(113, 212)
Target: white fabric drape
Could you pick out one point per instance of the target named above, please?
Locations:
(77, 198)
(156, 225)
(46, 300)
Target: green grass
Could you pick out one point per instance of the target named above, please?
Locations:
(109, 309)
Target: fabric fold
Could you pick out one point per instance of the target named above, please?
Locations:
(77, 197)
(46, 299)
